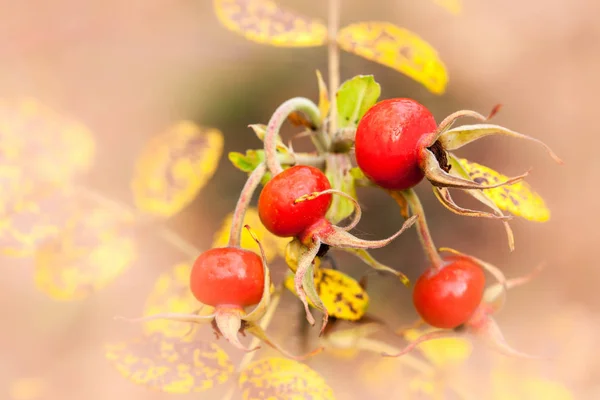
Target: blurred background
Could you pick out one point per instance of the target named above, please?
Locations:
(128, 70)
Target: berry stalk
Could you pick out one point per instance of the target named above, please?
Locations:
(242, 204)
(280, 115)
(264, 324)
(333, 65)
(423, 230)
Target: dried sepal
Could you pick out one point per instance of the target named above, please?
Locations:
(443, 195)
(258, 332)
(438, 177)
(458, 137)
(485, 327)
(495, 295)
(228, 322)
(376, 265)
(457, 169)
(339, 238)
(305, 277)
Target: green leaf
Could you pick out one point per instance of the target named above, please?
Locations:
(338, 172)
(247, 162)
(354, 98)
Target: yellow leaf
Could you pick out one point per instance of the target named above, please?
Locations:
(342, 296)
(171, 365)
(323, 96)
(263, 21)
(174, 166)
(396, 48)
(28, 220)
(282, 379)
(272, 244)
(507, 385)
(442, 352)
(28, 389)
(47, 146)
(453, 6)
(518, 199)
(95, 248)
(171, 294)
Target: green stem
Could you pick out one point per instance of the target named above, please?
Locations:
(237, 221)
(333, 25)
(422, 228)
(280, 115)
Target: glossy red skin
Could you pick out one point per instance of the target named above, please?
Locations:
(227, 276)
(388, 142)
(276, 207)
(449, 297)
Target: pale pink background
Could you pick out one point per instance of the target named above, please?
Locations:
(129, 69)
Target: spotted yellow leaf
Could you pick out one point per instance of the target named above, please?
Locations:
(272, 244)
(171, 294)
(28, 220)
(282, 379)
(452, 6)
(342, 296)
(170, 364)
(442, 352)
(95, 247)
(518, 199)
(396, 48)
(49, 147)
(174, 166)
(263, 21)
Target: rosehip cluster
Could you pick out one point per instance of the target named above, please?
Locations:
(397, 143)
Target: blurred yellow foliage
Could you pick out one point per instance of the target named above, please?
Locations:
(174, 166)
(95, 248)
(282, 378)
(171, 365)
(443, 352)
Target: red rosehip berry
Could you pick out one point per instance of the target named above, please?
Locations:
(389, 142)
(277, 208)
(227, 276)
(447, 297)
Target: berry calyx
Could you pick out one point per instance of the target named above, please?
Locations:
(447, 297)
(227, 276)
(388, 142)
(277, 208)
